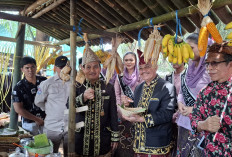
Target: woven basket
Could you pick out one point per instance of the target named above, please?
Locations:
(7, 147)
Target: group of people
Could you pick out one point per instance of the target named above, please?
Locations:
(186, 114)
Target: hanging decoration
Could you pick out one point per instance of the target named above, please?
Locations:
(6, 77)
(153, 46)
(207, 26)
(80, 77)
(175, 48)
(114, 62)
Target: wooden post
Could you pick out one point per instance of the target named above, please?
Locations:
(72, 96)
(17, 72)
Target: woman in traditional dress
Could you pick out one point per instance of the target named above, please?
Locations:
(192, 82)
(124, 89)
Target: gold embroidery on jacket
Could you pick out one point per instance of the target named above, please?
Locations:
(92, 120)
(140, 128)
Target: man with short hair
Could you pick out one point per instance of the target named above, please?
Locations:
(52, 97)
(100, 133)
(23, 97)
(212, 114)
(153, 128)
(175, 76)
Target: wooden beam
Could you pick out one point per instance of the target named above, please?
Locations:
(28, 42)
(48, 8)
(35, 5)
(40, 22)
(72, 96)
(155, 20)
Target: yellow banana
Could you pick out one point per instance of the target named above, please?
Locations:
(179, 56)
(185, 53)
(170, 57)
(165, 40)
(190, 50)
(165, 51)
(230, 43)
(170, 46)
(174, 60)
(229, 36)
(175, 53)
(228, 26)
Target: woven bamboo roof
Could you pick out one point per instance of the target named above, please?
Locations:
(108, 14)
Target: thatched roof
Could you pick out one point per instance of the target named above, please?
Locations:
(108, 14)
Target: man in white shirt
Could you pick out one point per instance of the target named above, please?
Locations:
(52, 97)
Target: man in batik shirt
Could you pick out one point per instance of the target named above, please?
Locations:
(153, 129)
(100, 134)
(213, 100)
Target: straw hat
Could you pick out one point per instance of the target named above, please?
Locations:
(89, 56)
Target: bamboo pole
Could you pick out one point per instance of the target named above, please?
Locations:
(17, 73)
(34, 6)
(47, 9)
(156, 20)
(27, 42)
(72, 100)
(51, 24)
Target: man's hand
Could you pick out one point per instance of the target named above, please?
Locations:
(134, 118)
(211, 124)
(114, 146)
(126, 100)
(39, 121)
(88, 94)
(187, 110)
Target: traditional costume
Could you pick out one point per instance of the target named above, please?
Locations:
(209, 103)
(154, 136)
(125, 85)
(213, 100)
(101, 125)
(195, 79)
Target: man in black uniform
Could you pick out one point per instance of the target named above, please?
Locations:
(23, 97)
(100, 133)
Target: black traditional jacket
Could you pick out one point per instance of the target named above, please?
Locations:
(101, 120)
(154, 136)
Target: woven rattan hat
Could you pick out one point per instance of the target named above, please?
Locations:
(89, 56)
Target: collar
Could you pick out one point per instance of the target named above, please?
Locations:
(222, 85)
(154, 81)
(56, 77)
(26, 81)
(93, 85)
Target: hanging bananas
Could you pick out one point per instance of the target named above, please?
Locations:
(229, 36)
(176, 53)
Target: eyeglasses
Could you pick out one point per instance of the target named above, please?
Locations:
(213, 63)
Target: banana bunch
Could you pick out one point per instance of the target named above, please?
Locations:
(176, 53)
(102, 55)
(229, 26)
